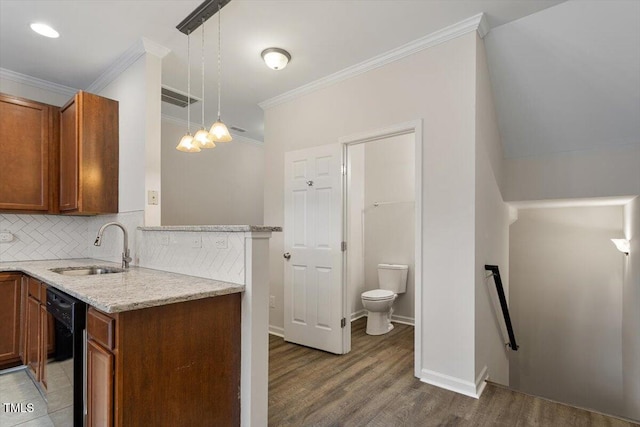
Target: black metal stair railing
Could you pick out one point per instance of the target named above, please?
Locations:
(495, 271)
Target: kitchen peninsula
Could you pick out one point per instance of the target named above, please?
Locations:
(175, 338)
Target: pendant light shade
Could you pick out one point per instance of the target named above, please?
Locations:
(218, 130)
(187, 143)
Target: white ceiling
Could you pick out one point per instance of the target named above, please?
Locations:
(323, 37)
(568, 78)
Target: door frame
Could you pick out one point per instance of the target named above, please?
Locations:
(415, 127)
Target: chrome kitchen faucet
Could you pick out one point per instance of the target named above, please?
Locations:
(126, 259)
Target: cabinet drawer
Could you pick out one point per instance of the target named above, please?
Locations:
(34, 288)
(101, 328)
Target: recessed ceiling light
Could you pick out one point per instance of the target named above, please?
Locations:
(44, 30)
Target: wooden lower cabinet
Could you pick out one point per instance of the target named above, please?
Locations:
(100, 363)
(38, 324)
(177, 364)
(10, 319)
(33, 355)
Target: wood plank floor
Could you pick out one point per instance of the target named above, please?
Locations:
(374, 385)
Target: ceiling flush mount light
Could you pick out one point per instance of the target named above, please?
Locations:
(276, 58)
(218, 129)
(187, 144)
(623, 245)
(44, 30)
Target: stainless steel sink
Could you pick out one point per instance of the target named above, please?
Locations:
(87, 271)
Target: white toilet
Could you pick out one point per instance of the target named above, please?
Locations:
(392, 280)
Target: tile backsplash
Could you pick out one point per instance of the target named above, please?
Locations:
(38, 237)
(214, 255)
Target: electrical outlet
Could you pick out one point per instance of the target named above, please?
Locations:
(164, 240)
(196, 242)
(152, 197)
(272, 301)
(221, 242)
(6, 237)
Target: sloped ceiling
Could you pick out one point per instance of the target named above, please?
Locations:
(568, 78)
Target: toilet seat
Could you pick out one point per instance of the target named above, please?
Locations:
(378, 295)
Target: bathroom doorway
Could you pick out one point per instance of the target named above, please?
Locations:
(382, 219)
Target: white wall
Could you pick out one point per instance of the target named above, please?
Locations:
(574, 174)
(436, 85)
(566, 299)
(137, 90)
(389, 229)
(355, 254)
(223, 185)
(492, 234)
(631, 313)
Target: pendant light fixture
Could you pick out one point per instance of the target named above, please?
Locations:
(203, 138)
(187, 143)
(218, 129)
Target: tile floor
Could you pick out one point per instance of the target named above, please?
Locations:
(17, 388)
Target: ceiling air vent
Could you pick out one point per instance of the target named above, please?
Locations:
(237, 129)
(176, 98)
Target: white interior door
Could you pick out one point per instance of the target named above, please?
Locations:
(313, 294)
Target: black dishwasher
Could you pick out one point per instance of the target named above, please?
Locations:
(70, 319)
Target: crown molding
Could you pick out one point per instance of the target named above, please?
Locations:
(474, 23)
(154, 48)
(237, 138)
(37, 83)
(124, 61)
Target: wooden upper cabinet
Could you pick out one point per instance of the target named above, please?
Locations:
(89, 155)
(27, 147)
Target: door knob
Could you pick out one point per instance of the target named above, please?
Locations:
(287, 256)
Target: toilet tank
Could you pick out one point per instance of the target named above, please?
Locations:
(393, 277)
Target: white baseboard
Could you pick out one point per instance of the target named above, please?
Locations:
(454, 384)
(276, 330)
(397, 319)
(403, 319)
(358, 314)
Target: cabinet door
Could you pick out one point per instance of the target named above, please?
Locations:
(69, 156)
(33, 337)
(43, 344)
(100, 365)
(24, 163)
(10, 293)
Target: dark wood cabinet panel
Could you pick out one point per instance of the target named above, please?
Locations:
(89, 155)
(25, 144)
(33, 356)
(177, 364)
(10, 315)
(100, 365)
(42, 345)
(69, 157)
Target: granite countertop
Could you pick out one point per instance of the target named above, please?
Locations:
(214, 228)
(133, 289)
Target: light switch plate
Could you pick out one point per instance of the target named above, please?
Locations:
(6, 237)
